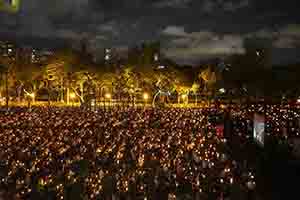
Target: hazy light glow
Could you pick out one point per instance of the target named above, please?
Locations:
(108, 95)
(184, 96)
(72, 95)
(145, 96)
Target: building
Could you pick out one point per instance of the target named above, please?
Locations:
(7, 49)
(151, 53)
(111, 56)
(24, 54)
(31, 55)
(147, 54)
(107, 54)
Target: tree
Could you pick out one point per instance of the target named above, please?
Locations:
(209, 77)
(128, 83)
(55, 77)
(30, 80)
(78, 80)
(67, 70)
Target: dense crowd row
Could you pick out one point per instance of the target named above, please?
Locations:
(72, 153)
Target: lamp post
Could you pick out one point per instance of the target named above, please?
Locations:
(72, 97)
(145, 97)
(184, 96)
(108, 97)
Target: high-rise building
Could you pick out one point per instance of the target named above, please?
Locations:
(32, 55)
(146, 54)
(110, 56)
(25, 55)
(151, 52)
(7, 49)
(107, 54)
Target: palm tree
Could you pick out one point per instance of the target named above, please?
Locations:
(209, 76)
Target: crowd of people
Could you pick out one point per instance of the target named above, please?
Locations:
(121, 153)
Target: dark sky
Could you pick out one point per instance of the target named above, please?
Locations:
(190, 30)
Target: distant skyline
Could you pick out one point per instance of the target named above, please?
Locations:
(189, 30)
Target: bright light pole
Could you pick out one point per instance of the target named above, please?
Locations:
(72, 97)
(184, 96)
(145, 97)
(32, 95)
(108, 97)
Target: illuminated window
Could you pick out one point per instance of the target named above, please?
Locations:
(155, 57)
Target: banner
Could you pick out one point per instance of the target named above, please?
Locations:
(259, 128)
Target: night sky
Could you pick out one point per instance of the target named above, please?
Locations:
(189, 30)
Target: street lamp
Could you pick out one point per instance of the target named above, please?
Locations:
(184, 98)
(145, 97)
(72, 96)
(108, 97)
(32, 95)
